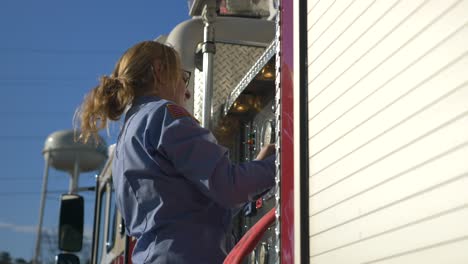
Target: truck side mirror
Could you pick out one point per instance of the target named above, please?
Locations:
(71, 223)
(66, 258)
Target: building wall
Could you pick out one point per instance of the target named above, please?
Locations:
(388, 131)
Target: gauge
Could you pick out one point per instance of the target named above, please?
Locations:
(267, 133)
(263, 254)
(252, 258)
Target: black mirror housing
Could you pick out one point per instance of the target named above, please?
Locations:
(66, 258)
(71, 222)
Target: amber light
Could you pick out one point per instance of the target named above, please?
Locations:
(240, 108)
(268, 72)
(243, 103)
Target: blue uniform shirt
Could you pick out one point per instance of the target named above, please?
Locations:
(175, 186)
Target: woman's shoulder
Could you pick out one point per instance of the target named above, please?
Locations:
(172, 111)
(156, 108)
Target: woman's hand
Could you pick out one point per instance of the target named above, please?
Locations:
(266, 151)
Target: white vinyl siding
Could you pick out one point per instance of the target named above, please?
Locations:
(388, 131)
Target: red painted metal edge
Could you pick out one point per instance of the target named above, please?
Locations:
(287, 132)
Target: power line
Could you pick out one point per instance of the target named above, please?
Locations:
(29, 193)
(20, 179)
(46, 80)
(29, 138)
(90, 191)
(62, 51)
(35, 113)
(24, 137)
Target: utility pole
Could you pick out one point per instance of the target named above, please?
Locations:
(41, 210)
(64, 152)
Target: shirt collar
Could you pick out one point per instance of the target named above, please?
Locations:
(145, 99)
(138, 102)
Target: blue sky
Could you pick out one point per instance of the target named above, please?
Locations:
(52, 53)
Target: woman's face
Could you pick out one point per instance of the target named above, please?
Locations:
(182, 94)
(178, 94)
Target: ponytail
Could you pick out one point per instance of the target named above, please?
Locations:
(107, 101)
(133, 76)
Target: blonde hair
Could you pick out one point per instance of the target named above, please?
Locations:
(133, 76)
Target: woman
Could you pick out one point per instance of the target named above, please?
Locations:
(174, 185)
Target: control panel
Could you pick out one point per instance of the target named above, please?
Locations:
(247, 125)
(256, 133)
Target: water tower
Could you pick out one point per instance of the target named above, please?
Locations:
(64, 152)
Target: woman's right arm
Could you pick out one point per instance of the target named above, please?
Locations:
(196, 155)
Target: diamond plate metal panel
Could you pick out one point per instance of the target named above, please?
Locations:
(198, 94)
(249, 76)
(231, 63)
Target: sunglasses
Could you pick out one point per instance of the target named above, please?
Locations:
(186, 77)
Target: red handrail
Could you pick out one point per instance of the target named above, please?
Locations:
(250, 240)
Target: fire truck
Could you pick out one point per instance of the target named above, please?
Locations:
(367, 103)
